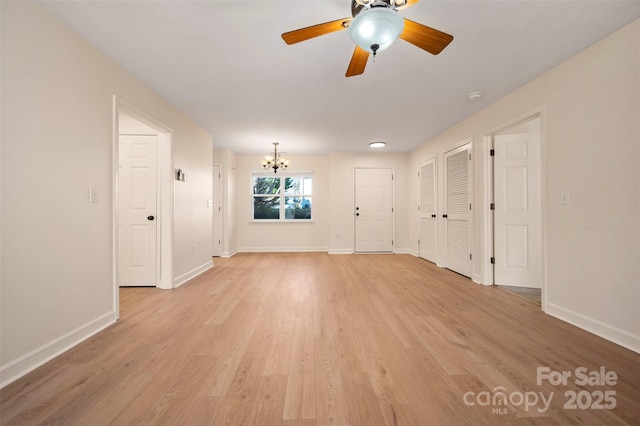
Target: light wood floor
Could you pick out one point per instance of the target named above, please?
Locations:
(315, 339)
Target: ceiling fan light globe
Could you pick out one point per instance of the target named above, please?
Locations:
(377, 26)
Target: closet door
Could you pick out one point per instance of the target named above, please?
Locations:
(427, 210)
(457, 212)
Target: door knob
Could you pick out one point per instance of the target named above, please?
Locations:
(444, 215)
(150, 217)
(357, 208)
(433, 215)
(357, 214)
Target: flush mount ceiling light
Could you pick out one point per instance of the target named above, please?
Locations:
(274, 160)
(377, 145)
(376, 28)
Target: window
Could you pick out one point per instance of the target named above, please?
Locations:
(285, 197)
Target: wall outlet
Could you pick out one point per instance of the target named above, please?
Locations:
(565, 198)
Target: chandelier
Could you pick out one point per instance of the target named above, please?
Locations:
(274, 160)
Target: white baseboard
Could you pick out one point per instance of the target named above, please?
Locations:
(28, 362)
(281, 249)
(229, 253)
(606, 331)
(406, 251)
(477, 278)
(178, 281)
(340, 251)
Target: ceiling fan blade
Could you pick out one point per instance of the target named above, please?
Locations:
(296, 36)
(358, 62)
(407, 4)
(426, 38)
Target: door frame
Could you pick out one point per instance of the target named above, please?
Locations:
(164, 241)
(217, 197)
(489, 231)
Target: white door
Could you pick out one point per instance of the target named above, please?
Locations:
(457, 210)
(216, 238)
(373, 210)
(517, 210)
(137, 193)
(427, 210)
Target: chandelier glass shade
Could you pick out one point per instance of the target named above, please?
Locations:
(376, 28)
(274, 160)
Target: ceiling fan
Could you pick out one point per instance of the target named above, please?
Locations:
(375, 25)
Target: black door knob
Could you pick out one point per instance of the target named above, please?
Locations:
(357, 208)
(150, 217)
(433, 215)
(444, 215)
(357, 214)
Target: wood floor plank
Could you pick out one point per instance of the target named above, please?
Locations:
(330, 402)
(300, 400)
(314, 339)
(279, 356)
(268, 409)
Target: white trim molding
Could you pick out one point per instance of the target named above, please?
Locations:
(341, 251)
(406, 251)
(606, 331)
(28, 362)
(229, 253)
(178, 281)
(281, 249)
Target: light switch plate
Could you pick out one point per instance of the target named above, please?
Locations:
(93, 194)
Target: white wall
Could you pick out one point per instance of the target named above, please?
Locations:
(591, 146)
(57, 284)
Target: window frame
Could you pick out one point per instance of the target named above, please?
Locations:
(281, 195)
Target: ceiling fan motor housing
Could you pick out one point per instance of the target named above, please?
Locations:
(358, 5)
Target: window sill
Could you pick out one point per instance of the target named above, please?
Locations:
(282, 221)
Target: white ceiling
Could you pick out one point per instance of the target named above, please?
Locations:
(224, 64)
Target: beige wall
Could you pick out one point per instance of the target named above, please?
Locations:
(590, 108)
(57, 126)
